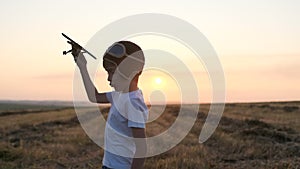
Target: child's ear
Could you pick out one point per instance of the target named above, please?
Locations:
(135, 73)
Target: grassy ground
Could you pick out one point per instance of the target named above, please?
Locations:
(250, 135)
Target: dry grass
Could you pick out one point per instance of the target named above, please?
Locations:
(260, 135)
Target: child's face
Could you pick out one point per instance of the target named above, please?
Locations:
(118, 82)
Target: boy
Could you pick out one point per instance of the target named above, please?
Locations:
(125, 128)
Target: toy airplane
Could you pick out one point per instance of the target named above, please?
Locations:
(73, 43)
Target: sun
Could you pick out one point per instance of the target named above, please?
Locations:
(158, 80)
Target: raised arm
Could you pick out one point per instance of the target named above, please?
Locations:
(92, 93)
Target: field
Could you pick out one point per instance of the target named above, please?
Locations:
(249, 135)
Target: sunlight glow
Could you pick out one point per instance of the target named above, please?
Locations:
(158, 81)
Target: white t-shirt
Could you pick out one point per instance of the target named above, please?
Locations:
(127, 110)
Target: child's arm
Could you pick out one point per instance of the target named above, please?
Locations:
(93, 94)
(141, 147)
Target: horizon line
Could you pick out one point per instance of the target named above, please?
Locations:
(168, 103)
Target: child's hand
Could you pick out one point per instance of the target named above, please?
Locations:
(80, 60)
(78, 55)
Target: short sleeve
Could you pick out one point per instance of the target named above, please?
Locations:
(137, 113)
(109, 96)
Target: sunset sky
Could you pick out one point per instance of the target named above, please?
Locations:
(257, 43)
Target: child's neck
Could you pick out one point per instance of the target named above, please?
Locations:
(133, 86)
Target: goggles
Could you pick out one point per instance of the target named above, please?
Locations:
(117, 50)
(132, 63)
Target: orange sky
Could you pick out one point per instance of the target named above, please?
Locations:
(257, 44)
